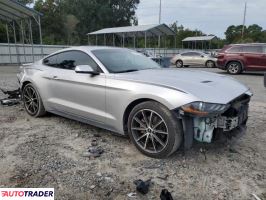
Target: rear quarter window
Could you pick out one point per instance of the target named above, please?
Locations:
(252, 49)
(264, 49)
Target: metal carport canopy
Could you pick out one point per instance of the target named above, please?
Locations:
(199, 38)
(11, 10)
(137, 31)
(18, 16)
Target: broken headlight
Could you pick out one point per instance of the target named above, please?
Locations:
(203, 109)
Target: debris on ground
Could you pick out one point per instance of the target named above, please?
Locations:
(94, 152)
(166, 195)
(94, 143)
(96, 135)
(164, 177)
(142, 186)
(13, 98)
(132, 195)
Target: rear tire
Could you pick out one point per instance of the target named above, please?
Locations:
(179, 63)
(32, 101)
(234, 68)
(154, 130)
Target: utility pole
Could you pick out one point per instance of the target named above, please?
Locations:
(244, 20)
(160, 12)
(160, 16)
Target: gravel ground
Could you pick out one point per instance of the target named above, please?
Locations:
(50, 152)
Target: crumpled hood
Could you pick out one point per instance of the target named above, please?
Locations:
(206, 86)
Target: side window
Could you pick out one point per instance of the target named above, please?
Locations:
(187, 54)
(71, 59)
(191, 54)
(51, 61)
(252, 49)
(235, 49)
(264, 49)
(195, 54)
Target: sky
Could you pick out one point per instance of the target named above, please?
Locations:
(209, 16)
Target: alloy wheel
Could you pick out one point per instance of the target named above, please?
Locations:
(210, 64)
(233, 68)
(31, 100)
(149, 130)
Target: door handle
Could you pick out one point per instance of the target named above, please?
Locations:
(241, 54)
(54, 77)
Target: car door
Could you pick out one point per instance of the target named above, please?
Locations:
(76, 94)
(187, 58)
(263, 60)
(253, 55)
(198, 58)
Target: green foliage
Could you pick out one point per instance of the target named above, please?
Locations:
(2, 33)
(68, 21)
(182, 33)
(252, 33)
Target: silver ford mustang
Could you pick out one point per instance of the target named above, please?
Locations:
(161, 109)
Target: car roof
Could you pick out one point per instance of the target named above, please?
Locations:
(248, 44)
(191, 52)
(82, 48)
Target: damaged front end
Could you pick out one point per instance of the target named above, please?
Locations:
(206, 121)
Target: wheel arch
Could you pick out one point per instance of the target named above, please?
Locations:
(235, 60)
(24, 84)
(179, 59)
(211, 61)
(130, 107)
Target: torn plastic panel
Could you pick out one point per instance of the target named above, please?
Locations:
(14, 97)
(204, 127)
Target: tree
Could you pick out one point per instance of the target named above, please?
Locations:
(68, 21)
(252, 33)
(52, 21)
(94, 15)
(70, 25)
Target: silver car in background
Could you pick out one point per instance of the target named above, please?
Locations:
(124, 91)
(191, 58)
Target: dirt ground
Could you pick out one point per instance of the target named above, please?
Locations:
(49, 152)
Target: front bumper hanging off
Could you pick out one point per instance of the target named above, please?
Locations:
(231, 123)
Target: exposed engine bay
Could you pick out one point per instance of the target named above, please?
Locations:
(231, 122)
(236, 115)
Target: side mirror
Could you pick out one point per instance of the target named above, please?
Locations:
(85, 69)
(202, 56)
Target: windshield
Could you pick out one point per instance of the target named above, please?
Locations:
(124, 60)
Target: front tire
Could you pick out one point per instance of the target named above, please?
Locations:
(154, 130)
(179, 63)
(32, 101)
(210, 64)
(234, 68)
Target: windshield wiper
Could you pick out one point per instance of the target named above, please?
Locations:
(128, 70)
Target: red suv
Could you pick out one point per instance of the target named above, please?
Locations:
(236, 58)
